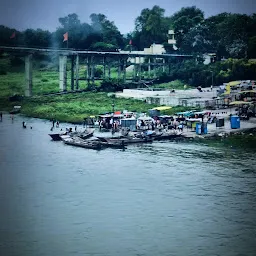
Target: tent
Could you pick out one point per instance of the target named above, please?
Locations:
(162, 108)
(240, 103)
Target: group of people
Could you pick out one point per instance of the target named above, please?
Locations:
(170, 124)
(1, 116)
(109, 124)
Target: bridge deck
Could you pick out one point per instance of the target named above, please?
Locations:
(82, 52)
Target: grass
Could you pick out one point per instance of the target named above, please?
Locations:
(75, 107)
(69, 107)
(235, 141)
(174, 85)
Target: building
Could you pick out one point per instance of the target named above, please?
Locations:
(171, 39)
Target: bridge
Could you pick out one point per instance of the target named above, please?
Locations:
(93, 58)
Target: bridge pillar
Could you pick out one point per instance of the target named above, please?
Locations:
(155, 67)
(163, 64)
(139, 68)
(119, 69)
(124, 69)
(92, 69)
(28, 75)
(109, 70)
(77, 72)
(104, 68)
(72, 72)
(149, 68)
(134, 69)
(63, 72)
(88, 70)
(169, 66)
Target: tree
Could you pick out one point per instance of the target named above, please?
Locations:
(229, 34)
(150, 27)
(184, 20)
(78, 33)
(196, 40)
(107, 30)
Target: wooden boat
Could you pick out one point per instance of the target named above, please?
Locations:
(166, 136)
(15, 110)
(85, 136)
(55, 136)
(77, 142)
(105, 139)
(127, 141)
(112, 144)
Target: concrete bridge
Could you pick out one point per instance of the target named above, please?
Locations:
(93, 58)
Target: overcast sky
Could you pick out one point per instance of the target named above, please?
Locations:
(23, 14)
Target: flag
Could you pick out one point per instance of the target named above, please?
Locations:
(13, 35)
(65, 37)
(130, 42)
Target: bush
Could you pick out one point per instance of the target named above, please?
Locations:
(98, 72)
(44, 80)
(3, 72)
(111, 85)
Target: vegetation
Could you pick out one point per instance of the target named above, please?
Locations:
(231, 36)
(68, 107)
(75, 107)
(235, 141)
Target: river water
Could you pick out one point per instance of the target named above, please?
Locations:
(165, 198)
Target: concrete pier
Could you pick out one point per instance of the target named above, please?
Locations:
(77, 72)
(28, 75)
(63, 72)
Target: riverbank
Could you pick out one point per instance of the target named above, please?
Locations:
(66, 108)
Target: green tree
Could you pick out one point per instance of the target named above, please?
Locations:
(150, 27)
(107, 30)
(37, 38)
(78, 33)
(184, 20)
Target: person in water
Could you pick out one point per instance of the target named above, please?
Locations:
(1, 116)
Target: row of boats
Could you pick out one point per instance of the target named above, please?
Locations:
(86, 139)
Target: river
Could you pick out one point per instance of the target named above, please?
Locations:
(164, 198)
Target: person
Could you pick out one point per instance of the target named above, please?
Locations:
(24, 125)
(1, 116)
(57, 124)
(211, 87)
(75, 128)
(153, 125)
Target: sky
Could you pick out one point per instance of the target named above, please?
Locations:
(44, 14)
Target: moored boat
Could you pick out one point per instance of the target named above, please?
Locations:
(77, 142)
(55, 136)
(84, 135)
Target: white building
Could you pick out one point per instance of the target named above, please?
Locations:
(171, 39)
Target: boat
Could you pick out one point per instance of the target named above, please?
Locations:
(15, 110)
(126, 141)
(84, 135)
(105, 139)
(166, 136)
(55, 136)
(78, 142)
(113, 144)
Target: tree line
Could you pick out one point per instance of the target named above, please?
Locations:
(228, 35)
